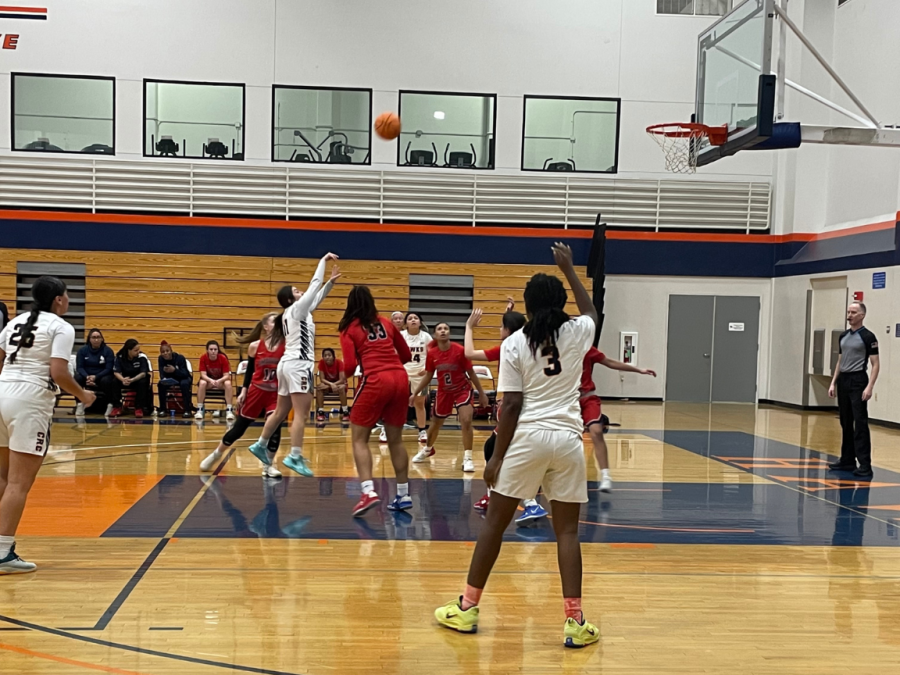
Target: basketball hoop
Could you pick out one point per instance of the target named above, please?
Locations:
(681, 142)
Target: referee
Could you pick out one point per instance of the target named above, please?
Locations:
(858, 346)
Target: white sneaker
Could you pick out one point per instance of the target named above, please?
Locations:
(155, 413)
(382, 437)
(468, 466)
(109, 409)
(217, 414)
(423, 436)
(210, 461)
(229, 415)
(605, 484)
(79, 409)
(423, 455)
(13, 564)
(271, 472)
(199, 414)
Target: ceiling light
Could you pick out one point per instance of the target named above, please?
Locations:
(438, 115)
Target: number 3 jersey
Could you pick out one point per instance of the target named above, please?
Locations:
(265, 366)
(418, 346)
(53, 338)
(549, 380)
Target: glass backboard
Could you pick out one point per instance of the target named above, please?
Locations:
(735, 86)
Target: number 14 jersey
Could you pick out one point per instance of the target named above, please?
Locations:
(549, 380)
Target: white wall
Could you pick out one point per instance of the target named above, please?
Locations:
(606, 48)
(641, 303)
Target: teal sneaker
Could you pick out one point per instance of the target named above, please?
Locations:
(298, 464)
(259, 451)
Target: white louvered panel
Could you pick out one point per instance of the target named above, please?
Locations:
(250, 191)
(623, 203)
(344, 194)
(142, 186)
(409, 195)
(46, 182)
(513, 199)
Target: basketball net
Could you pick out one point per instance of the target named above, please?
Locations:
(681, 143)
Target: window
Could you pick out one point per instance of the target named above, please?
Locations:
(455, 131)
(841, 2)
(324, 124)
(694, 7)
(194, 120)
(443, 298)
(571, 134)
(63, 113)
(72, 274)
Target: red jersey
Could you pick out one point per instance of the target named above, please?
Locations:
(215, 369)
(492, 354)
(331, 373)
(593, 357)
(376, 349)
(449, 366)
(265, 366)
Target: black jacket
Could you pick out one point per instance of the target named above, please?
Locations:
(181, 369)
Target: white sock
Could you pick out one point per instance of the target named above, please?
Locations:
(6, 543)
(368, 486)
(604, 473)
(402, 489)
(530, 502)
(489, 492)
(228, 408)
(263, 441)
(200, 407)
(296, 451)
(467, 454)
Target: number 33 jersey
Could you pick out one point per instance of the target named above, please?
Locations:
(548, 380)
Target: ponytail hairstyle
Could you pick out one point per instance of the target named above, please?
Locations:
(513, 321)
(545, 301)
(259, 331)
(44, 292)
(360, 305)
(285, 297)
(130, 344)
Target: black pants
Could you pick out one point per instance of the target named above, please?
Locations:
(107, 386)
(143, 397)
(856, 445)
(239, 428)
(186, 386)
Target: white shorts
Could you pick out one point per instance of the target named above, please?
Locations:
(551, 460)
(295, 377)
(26, 411)
(415, 379)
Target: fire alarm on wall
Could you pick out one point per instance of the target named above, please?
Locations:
(857, 296)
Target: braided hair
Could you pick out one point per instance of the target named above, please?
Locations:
(545, 301)
(360, 305)
(44, 292)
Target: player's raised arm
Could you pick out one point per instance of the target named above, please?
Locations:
(469, 341)
(562, 254)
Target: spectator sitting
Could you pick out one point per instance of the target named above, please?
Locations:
(173, 372)
(215, 373)
(94, 370)
(132, 370)
(332, 380)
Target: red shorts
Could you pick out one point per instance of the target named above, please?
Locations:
(381, 396)
(445, 401)
(258, 402)
(590, 410)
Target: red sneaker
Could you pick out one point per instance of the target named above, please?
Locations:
(138, 413)
(115, 412)
(320, 416)
(482, 504)
(345, 417)
(365, 503)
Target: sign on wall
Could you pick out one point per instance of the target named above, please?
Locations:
(12, 40)
(879, 280)
(736, 327)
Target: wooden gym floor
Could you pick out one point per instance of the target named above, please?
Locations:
(724, 548)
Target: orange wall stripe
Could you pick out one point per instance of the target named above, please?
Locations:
(29, 10)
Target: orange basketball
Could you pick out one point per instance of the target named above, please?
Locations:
(387, 125)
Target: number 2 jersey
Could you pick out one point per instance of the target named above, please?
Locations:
(376, 349)
(265, 366)
(449, 367)
(549, 380)
(53, 339)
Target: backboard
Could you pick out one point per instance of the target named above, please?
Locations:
(735, 84)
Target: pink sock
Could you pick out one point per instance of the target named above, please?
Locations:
(573, 609)
(471, 597)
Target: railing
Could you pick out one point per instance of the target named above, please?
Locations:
(398, 195)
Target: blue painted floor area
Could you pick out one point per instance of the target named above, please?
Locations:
(804, 505)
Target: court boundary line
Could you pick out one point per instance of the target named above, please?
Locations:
(69, 662)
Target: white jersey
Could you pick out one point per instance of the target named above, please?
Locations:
(550, 380)
(417, 343)
(53, 339)
(299, 328)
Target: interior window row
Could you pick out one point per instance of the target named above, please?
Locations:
(331, 125)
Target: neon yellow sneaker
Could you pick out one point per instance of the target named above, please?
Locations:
(580, 635)
(452, 616)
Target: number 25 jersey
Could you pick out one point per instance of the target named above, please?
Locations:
(549, 380)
